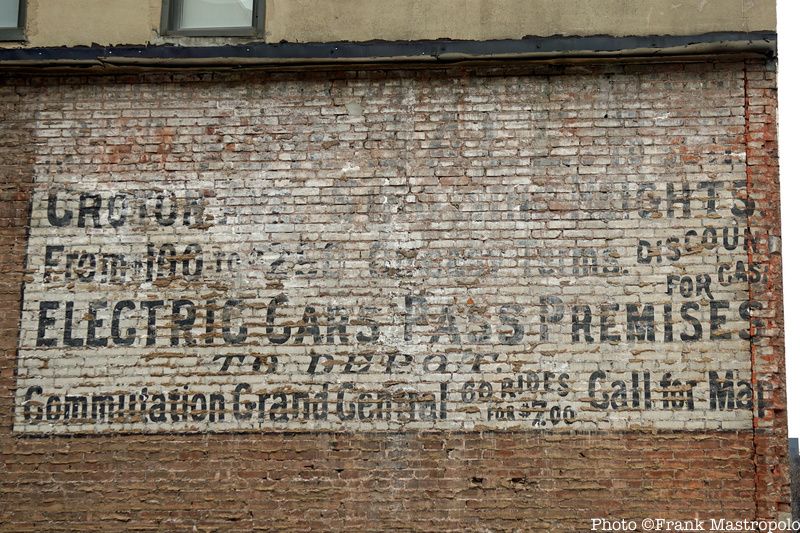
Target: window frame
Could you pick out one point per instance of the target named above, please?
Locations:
(170, 10)
(18, 33)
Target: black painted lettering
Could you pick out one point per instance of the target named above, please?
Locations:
(743, 205)
(271, 310)
(552, 312)
(365, 406)
(344, 411)
(757, 325)
(30, 403)
(416, 314)
(167, 261)
(607, 323)
(646, 200)
(158, 408)
(619, 395)
(69, 340)
(166, 218)
(703, 284)
(45, 322)
(151, 307)
(193, 253)
(434, 364)
(320, 360)
(94, 323)
(730, 242)
(446, 326)
(711, 200)
(593, 390)
(216, 407)
(720, 392)
(198, 407)
(52, 216)
(508, 317)
(668, 335)
(399, 362)
(194, 213)
(718, 320)
(54, 409)
(693, 321)
(50, 260)
(308, 327)
(641, 325)
(118, 210)
(337, 327)
(671, 279)
(478, 331)
(582, 322)
(684, 198)
(89, 204)
(227, 316)
(181, 323)
(242, 410)
(374, 327)
(709, 239)
(673, 245)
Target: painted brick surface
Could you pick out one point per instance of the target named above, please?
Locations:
(502, 298)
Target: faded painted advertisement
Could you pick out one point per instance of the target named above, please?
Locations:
(450, 264)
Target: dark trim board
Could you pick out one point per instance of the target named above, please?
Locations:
(760, 42)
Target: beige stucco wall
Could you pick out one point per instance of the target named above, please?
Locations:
(360, 20)
(107, 22)
(83, 22)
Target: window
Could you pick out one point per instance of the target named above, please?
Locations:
(12, 20)
(209, 18)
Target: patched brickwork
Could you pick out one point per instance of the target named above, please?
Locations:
(511, 298)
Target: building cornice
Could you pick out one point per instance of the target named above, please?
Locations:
(434, 51)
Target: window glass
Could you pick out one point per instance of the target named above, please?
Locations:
(9, 13)
(215, 14)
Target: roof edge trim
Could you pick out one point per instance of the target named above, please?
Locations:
(443, 50)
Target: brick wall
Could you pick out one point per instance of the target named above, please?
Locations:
(498, 297)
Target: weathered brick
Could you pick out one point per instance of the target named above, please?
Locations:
(556, 269)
